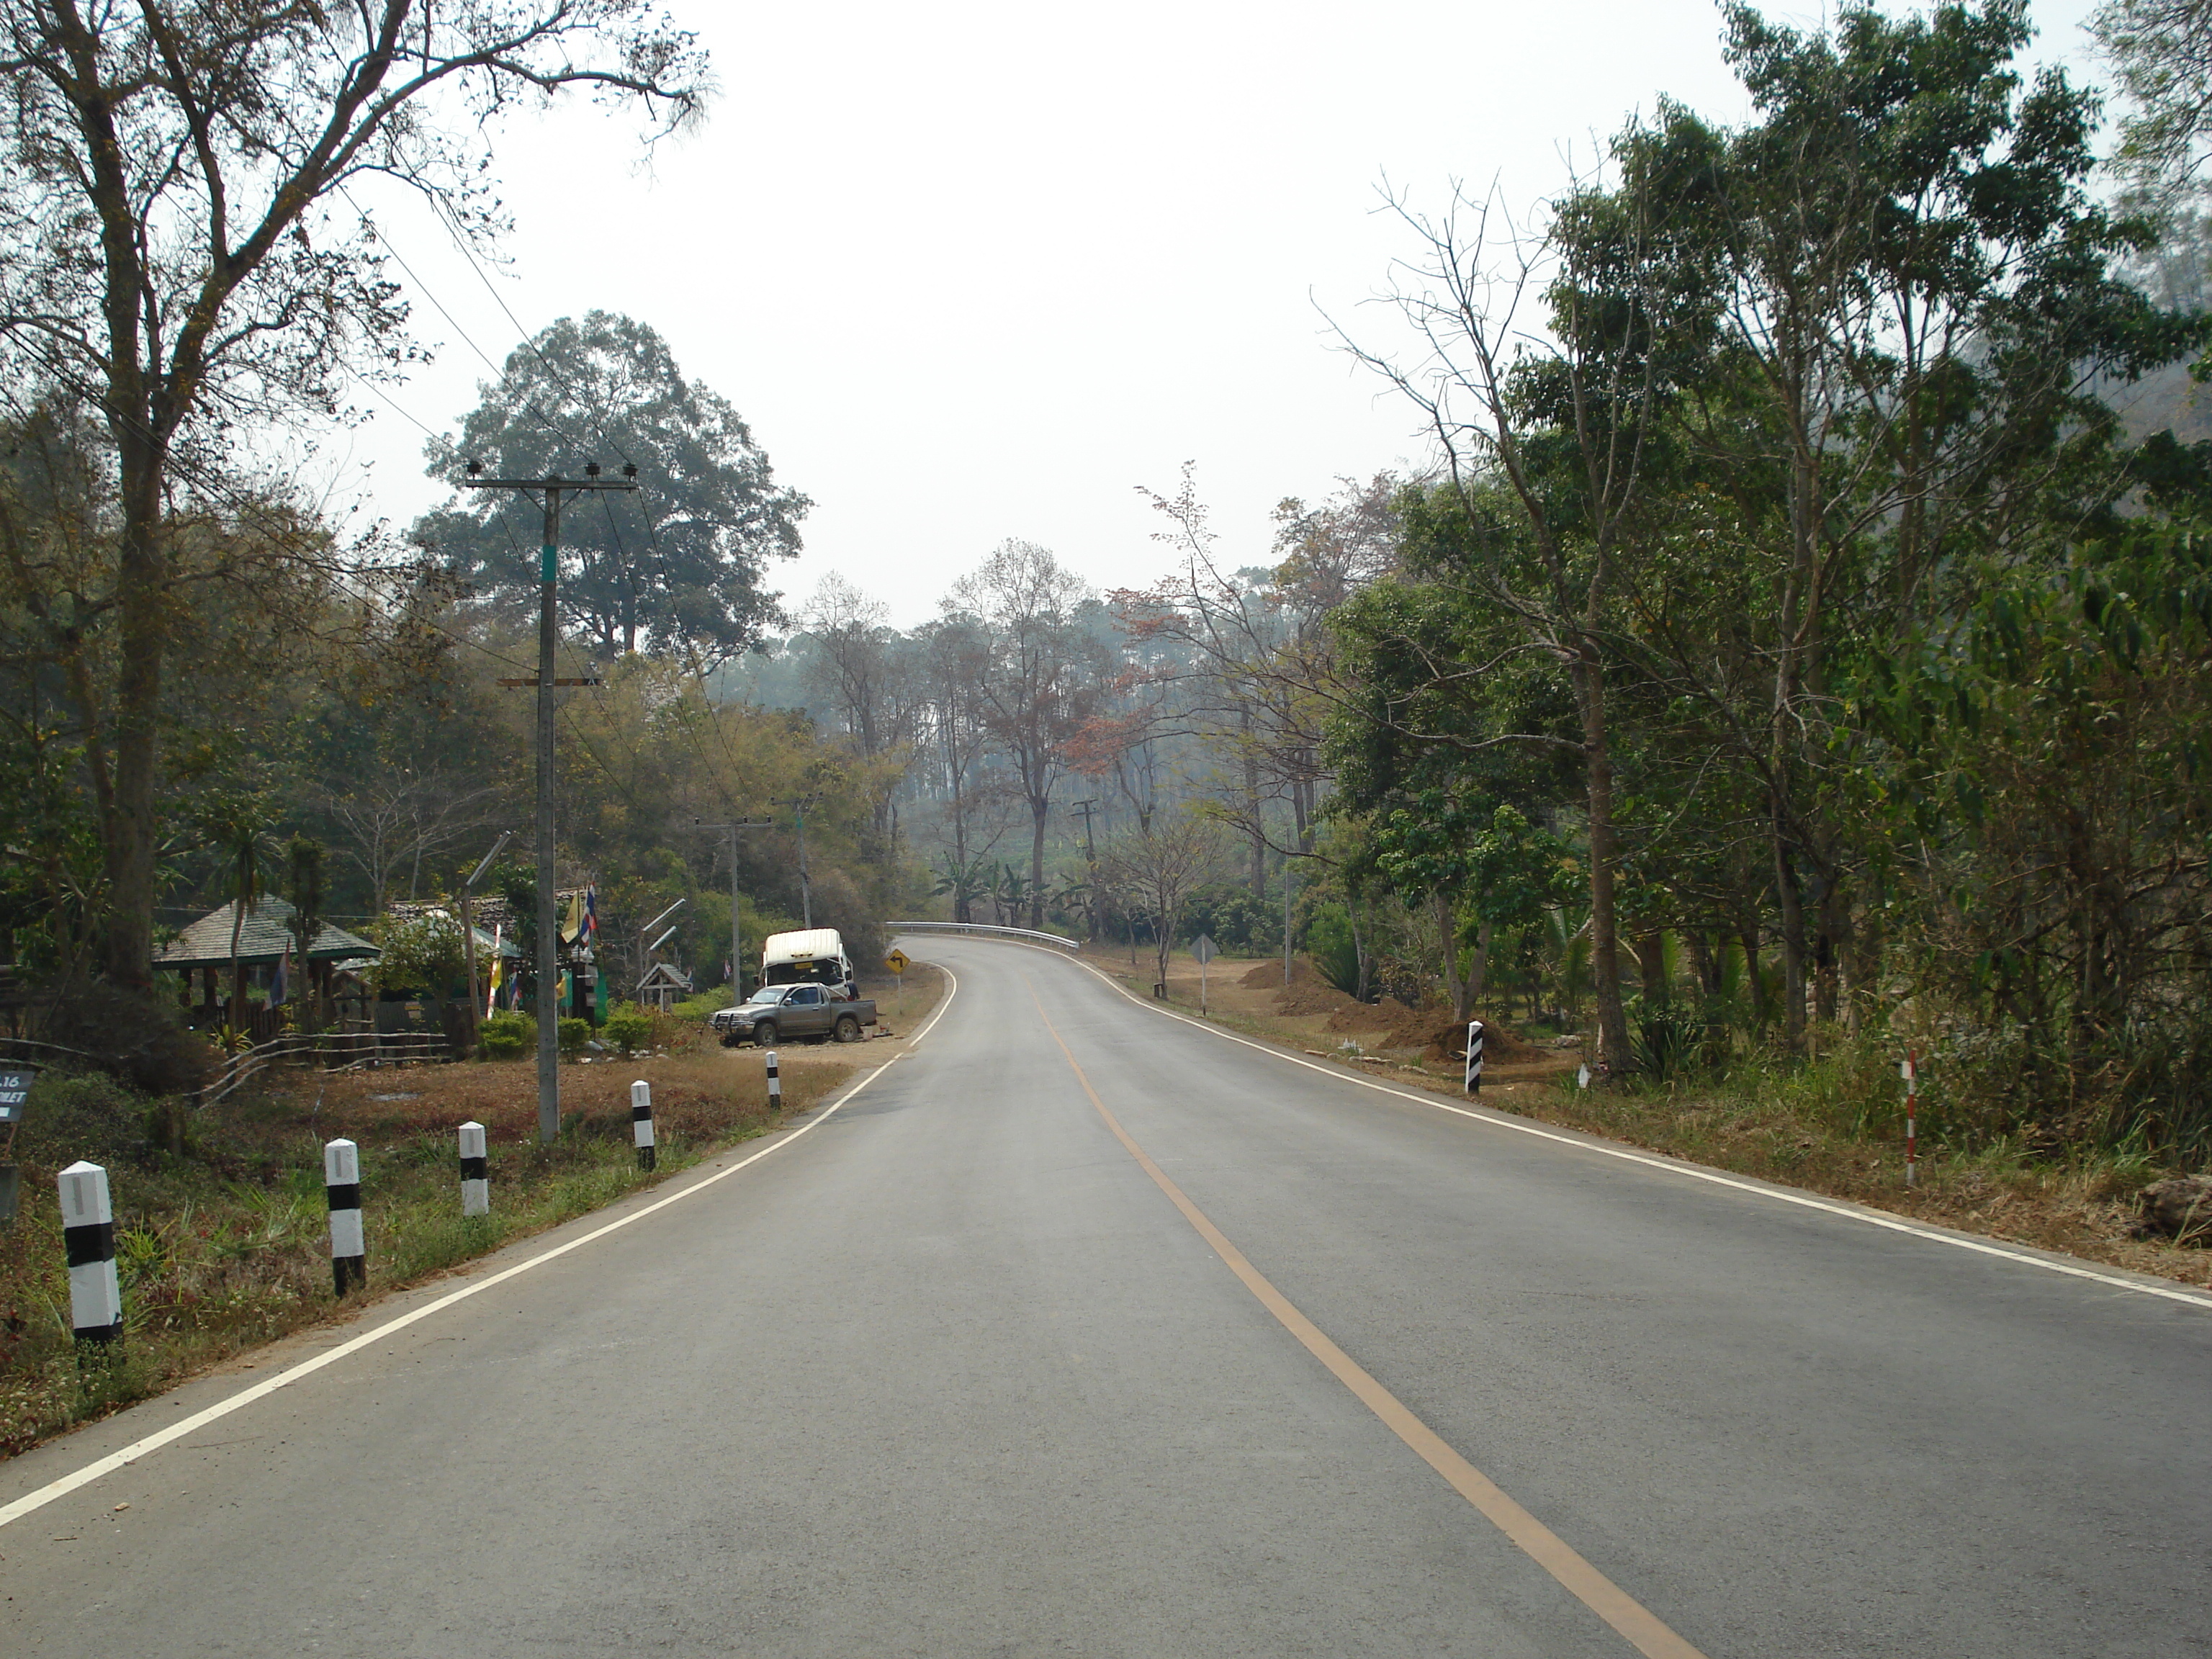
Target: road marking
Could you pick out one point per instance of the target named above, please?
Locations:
(69, 1483)
(1671, 1166)
(1642, 1628)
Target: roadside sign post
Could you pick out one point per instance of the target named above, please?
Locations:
(1474, 1057)
(1202, 948)
(15, 1083)
(896, 962)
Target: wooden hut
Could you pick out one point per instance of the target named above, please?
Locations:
(263, 938)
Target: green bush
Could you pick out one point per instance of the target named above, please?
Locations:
(628, 1026)
(572, 1035)
(508, 1035)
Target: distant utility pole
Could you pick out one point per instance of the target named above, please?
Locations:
(737, 932)
(553, 487)
(1084, 809)
(806, 890)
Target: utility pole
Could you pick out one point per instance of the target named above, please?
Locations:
(1084, 809)
(553, 487)
(805, 889)
(737, 931)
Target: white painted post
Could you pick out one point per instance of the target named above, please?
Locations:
(1911, 1068)
(476, 1170)
(1474, 1057)
(342, 1186)
(88, 1237)
(774, 1085)
(640, 1121)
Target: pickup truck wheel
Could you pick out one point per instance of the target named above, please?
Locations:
(848, 1029)
(764, 1033)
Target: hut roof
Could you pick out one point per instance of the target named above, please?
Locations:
(262, 939)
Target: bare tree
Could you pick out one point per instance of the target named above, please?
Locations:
(1480, 374)
(1040, 675)
(395, 818)
(1159, 863)
(182, 254)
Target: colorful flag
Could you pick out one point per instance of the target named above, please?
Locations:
(591, 914)
(498, 969)
(276, 987)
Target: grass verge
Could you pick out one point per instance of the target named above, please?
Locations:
(1835, 1125)
(228, 1246)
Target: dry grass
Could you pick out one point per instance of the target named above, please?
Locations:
(227, 1246)
(1834, 1128)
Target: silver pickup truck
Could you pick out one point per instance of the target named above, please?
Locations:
(776, 1013)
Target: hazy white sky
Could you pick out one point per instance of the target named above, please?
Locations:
(977, 271)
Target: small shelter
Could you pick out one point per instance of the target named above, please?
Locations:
(663, 987)
(262, 939)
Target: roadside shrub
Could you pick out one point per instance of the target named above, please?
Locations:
(90, 1116)
(1334, 952)
(139, 1039)
(572, 1035)
(1238, 920)
(628, 1026)
(507, 1035)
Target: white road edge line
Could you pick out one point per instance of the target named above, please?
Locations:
(1670, 1166)
(199, 1420)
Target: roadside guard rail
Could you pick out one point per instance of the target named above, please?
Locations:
(333, 1051)
(985, 930)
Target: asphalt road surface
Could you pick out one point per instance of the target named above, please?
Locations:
(1280, 1365)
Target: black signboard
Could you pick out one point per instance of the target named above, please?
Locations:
(15, 1083)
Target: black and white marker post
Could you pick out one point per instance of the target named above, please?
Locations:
(476, 1170)
(774, 1086)
(341, 1185)
(1474, 1057)
(88, 1235)
(640, 1121)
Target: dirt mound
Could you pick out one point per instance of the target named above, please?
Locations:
(1388, 1015)
(1262, 974)
(1499, 1046)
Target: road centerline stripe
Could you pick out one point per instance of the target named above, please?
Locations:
(1640, 1627)
(65, 1485)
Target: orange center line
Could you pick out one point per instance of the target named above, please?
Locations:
(1641, 1629)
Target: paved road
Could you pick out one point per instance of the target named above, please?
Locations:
(951, 1375)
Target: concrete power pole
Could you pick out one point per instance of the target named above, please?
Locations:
(737, 931)
(1086, 810)
(552, 487)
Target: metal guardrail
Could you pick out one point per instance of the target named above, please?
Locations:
(985, 930)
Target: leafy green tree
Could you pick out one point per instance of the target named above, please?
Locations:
(678, 566)
(169, 177)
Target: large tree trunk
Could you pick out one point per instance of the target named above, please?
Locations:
(127, 827)
(1754, 983)
(1466, 991)
(1613, 1044)
(1790, 901)
(1040, 811)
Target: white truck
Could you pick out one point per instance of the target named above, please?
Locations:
(815, 957)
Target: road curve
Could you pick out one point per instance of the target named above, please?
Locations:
(956, 1373)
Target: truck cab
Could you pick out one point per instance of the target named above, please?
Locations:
(813, 955)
